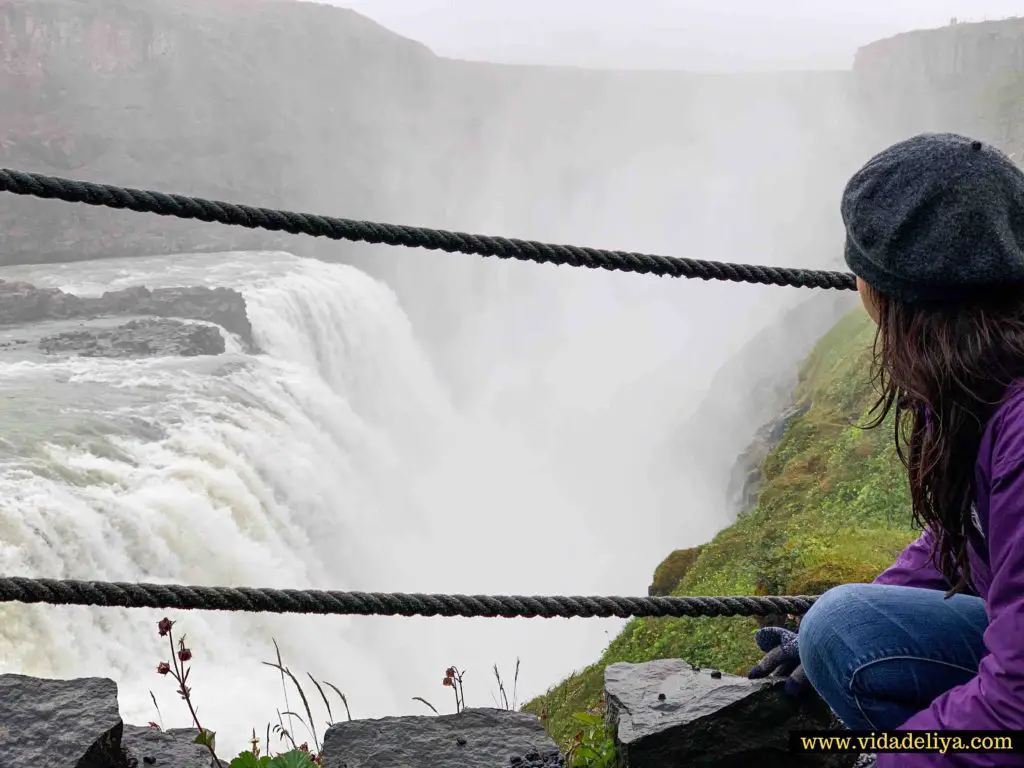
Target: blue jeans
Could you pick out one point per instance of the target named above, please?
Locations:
(878, 654)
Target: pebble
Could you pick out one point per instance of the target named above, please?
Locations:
(538, 760)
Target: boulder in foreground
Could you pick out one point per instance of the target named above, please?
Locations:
(474, 738)
(173, 748)
(59, 723)
(665, 714)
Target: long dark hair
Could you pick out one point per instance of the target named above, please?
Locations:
(944, 370)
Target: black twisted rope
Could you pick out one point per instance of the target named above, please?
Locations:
(183, 207)
(115, 594)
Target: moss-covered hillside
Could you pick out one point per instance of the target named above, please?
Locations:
(833, 508)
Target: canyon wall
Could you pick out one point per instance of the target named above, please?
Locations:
(317, 108)
(962, 77)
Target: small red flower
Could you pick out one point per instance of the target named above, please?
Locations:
(184, 654)
(447, 681)
(450, 672)
(164, 626)
(153, 725)
(163, 668)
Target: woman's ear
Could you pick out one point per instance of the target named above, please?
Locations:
(867, 297)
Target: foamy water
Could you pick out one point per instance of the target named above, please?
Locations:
(335, 459)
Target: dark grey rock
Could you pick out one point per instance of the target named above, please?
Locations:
(139, 338)
(222, 306)
(748, 471)
(535, 760)
(59, 723)
(491, 737)
(708, 722)
(22, 303)
(866, 761)
(174, 748)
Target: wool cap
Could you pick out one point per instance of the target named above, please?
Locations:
(936, 218)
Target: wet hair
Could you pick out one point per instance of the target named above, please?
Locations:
(943, 370)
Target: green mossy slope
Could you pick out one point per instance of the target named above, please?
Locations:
(669, 575)
(833, 508)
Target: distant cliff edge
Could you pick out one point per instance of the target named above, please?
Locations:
(962, 77)
(314, 107)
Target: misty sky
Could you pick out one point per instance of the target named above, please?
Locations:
(677, 34)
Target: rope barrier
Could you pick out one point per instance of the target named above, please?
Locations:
(251, 599)
(233, 214)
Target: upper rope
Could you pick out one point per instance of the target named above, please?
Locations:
(310, 601)
(233, 214)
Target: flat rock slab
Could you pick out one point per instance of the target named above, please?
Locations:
(59, 723)
(139, 338)
(22, 303)
(475, 738)
(666, 714)
(174, 748)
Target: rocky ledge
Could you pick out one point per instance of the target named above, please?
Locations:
(23, 303)
(663, 714)
(139, 338)
(666, 714)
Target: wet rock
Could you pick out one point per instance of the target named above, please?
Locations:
(475, 738)
(222, 306)
(174, 748)
(665, 714)
(25, 303)
(551, 759)
(138, 338)
(59, 723)
(747, 475)
(22, 303)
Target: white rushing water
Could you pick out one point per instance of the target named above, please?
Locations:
(334, 459)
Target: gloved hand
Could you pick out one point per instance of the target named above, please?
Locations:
(782, 659)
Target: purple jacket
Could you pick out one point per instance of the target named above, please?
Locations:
(994, 699)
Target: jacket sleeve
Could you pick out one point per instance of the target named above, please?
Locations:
(994, 698)
(914, 567)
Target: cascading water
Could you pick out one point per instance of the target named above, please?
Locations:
(337, 459)
(334, 459)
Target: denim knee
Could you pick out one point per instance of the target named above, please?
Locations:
(824, 654)
(877, 653)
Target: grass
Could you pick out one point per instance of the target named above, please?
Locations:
(673, 568)
(833, 508)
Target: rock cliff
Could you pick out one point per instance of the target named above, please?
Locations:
(962, 77)
(314, 107)
(247, 100)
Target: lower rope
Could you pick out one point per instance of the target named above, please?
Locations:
(184, 207)
(122, 595)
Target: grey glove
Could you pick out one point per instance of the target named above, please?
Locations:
(782, 659)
